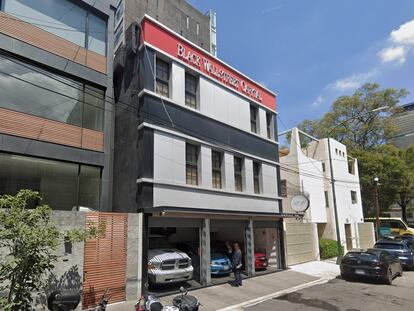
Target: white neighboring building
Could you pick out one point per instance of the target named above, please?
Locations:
(306, 170)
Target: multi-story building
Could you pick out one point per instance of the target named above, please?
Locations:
(306, 170)
(404, 121)
(196, 151)
(56, 90)
(177, 15)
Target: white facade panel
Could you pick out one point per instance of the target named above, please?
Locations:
(269, 180)
(262, 123)
(205, 166)
(211, 200)
(224, 106)
(169, 158)
(248, 176)
(178, 83)
(228, 177)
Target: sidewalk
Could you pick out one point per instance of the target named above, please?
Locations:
(254, 290)
(327, 269)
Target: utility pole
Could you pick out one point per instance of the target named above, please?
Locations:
(338, 233)
(377, 210)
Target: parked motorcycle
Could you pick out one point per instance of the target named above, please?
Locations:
(182, 302)
(68, 301)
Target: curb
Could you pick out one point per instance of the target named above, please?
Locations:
(258, 300)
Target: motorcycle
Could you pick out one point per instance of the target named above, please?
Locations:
(182, 302)
(68, 301)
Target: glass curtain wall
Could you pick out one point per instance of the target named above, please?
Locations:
(63, 186)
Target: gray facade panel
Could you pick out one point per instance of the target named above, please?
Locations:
(35, 148)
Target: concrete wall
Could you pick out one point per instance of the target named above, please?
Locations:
(173, 14)
(366, 235)
(134, 263)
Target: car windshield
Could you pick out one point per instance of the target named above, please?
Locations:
(363, 256)
(389, 246)
(158, 242)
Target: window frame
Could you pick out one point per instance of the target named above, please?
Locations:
(162, 80)
(191, 93)
(216, 170)
(269, 125)
(192, 165)
(253, 119)
(354, 200)
(257, 168)
(238, 174)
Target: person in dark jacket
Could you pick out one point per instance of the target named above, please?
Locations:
(237, 264)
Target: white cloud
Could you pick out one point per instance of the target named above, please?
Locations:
(404, 35)
(352, 82)
(318, 101)
(273, 8)
(393, 54)
(399, 44)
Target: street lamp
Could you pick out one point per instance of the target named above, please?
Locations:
(377, 210)
(338, 234)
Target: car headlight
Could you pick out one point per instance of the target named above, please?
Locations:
(154, 265)
(189, 261)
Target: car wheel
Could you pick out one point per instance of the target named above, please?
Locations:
(388, 278)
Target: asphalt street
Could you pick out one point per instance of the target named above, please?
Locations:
(340, 295)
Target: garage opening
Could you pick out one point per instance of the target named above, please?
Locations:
(267, 247)
(223, 235)
(173, 255)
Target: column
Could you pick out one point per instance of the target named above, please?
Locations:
(250, 259)
(205, 272)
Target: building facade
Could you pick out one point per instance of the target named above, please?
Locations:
(196, 151)
(404, 122)
(55, 114)
(306, 170)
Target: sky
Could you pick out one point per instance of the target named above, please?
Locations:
(312, 51)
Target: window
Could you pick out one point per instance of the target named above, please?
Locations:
(336, 150)
(32, 90)
(190, 91)
(63, 185)
(283, 188)
(216, 169)
(354, 197)
(323, 167)
(269, 123)
(256, 177)
(64, 19)
(163, 78)
(253, 119)
(191, 164)
(326, 199)
(238, 180)
(187, 22)
(351, 166)
(198, 29)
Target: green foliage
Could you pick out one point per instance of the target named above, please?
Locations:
(351, 121)
(29, 239)
(395, 171)
(329, 248)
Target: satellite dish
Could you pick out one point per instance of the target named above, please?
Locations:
(300, 203)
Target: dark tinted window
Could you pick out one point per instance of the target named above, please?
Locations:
(362, 256)
(389, 246)
(32, 90)
(190, 91)
(162, 78)
(238, 182)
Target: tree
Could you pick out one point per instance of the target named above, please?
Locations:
(351, 121)
(395, 171)
(30, 240)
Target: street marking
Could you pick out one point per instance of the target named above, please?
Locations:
(258, 300)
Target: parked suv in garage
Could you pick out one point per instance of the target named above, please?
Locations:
(167, 264)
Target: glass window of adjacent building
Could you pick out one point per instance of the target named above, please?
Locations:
(190, 91)
(62, 185)
(238, 174)
(162, 79)
(253, 118)
(191, 164)
(354, 197)
(216, 169)
(32, 90)
(63, 18)
(256, 177)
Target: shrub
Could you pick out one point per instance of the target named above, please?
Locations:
(329, 248)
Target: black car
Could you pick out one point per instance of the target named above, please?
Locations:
(371, 263)
(402, 247)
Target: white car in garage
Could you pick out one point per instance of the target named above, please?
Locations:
(167, 264)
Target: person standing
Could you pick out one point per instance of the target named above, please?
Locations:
(237, 264)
